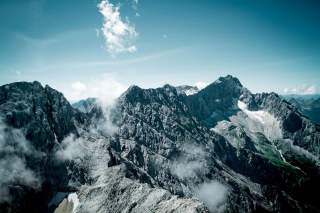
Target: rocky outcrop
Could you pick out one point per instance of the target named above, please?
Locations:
(159, 150)
(163, 120)
(43, 117)
(294, 125)
(187, 90)
(216, 102)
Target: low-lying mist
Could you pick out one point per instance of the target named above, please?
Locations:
(213, 194)
(14, 148)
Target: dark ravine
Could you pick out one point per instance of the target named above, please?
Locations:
(160, 150)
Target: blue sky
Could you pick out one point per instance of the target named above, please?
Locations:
(269, 45)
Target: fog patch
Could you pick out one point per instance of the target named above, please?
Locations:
(193, 150)
(14, 171)
(185, 170)
(191, 163)
(13, 168)
(213, 194)
(105, 125)
(72, 148)
(106, 88)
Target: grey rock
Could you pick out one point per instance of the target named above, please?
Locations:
(169, 152)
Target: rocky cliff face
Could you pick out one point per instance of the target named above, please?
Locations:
(295, 126)
(35, 120)
(222, 149)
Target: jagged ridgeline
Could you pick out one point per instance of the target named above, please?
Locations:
(169, 149)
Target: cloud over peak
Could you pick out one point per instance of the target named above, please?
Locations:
(106, 89)
(302, 90)
(119, 34)
(201, 85)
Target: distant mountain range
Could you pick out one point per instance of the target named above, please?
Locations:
(168, 149)
(309, 105)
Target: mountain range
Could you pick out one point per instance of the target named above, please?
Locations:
(168, 149)
(309, 105)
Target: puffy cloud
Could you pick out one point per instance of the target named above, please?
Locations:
(106, 89)
(72, 148)
(200, 85)
(184, 169)
(213, 194)
(302, 90)
(79, 86)
(13, 169)
(191, 163)
(119, 34)
(78, 89)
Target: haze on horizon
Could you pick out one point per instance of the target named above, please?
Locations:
(98, 48)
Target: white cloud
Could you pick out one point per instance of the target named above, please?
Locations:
(119, 33)
(200, 85)
(14, 171)
(302, 90)
(78, 86)
(311, 90)
(135, 7)
(191, 163)
(184, 169)
(106, 89)
(214, 195)
(13, 168)
(72, 148)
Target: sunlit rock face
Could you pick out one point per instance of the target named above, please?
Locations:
(221, 149)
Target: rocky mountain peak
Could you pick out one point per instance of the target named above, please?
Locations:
(135, 94)
(24, 105)
(187, 90)
(37, 118)
(172, 146)
(230, 80)
(217, 101)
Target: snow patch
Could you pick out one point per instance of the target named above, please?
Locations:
(73, 198)
(262, 121)
(191, 91)
(201, 85)
(69, 204)
(260, 115)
